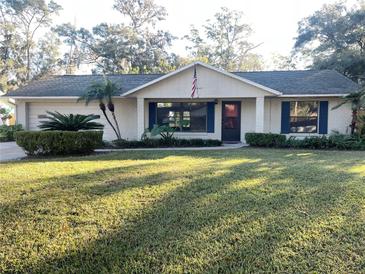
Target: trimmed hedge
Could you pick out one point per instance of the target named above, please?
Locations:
(265, 139)
(312, 142)
(59, 142)
(7, 133)
(334, 141)
(155, 143)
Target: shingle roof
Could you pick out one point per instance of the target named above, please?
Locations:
(300, 82)
(76, 85)
(303, 81)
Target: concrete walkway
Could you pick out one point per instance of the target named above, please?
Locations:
(224, 147)
(10, 151)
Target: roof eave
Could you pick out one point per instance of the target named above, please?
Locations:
(39, 97)
(121, 96)
(314, 95)
(46, 97)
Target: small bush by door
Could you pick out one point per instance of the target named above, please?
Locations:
(265, 139)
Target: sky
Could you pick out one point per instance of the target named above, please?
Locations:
(274, 22)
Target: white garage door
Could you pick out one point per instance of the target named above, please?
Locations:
(125, 112)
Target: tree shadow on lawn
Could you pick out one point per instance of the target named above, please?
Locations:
(44, 205)
(83, 187)
(253, 216)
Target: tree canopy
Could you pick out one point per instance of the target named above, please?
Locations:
(23, 55)
(225, 42)
(334, 38)
(135, 46)
(32, 47)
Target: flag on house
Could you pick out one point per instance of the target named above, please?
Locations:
(194, 85)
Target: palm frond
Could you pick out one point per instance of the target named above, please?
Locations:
(340, 104)
(70, 122)
(357, 99)
(103, 91)
(110, 88)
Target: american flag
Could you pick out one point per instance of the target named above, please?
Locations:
(194, 85)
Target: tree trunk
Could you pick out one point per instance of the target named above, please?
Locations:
(111, 108)
(102, 107)
(353, 122)
(28, 62)
(116, 123)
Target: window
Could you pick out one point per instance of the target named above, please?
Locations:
(303, 116)
(183, 116)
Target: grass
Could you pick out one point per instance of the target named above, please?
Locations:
(247, 210)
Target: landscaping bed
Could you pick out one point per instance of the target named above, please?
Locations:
(162, 143)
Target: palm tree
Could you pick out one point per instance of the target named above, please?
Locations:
(111, 90)
(97, 91)
(357, 100)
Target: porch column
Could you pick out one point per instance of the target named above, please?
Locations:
(140, 117)
(21, 113)
(260, 114)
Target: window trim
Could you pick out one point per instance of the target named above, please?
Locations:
(318, 118)
(181, 110)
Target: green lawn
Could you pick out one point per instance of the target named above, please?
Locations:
(246, 210)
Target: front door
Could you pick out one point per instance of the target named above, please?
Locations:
(231, 121)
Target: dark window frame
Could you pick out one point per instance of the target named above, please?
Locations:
(181, 110)
(308, 117)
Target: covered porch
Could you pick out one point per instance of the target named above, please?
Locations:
(226, 119)
(232, 105)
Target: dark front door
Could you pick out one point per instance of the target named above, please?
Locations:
(231, 121)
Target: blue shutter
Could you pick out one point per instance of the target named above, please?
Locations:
(152, 113)
(210, 116)
(323, 117)
(285, 117)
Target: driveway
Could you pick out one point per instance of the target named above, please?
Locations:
(10, 151)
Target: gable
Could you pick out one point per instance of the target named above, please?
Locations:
(211, 84)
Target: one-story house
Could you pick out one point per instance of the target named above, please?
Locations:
(226, 104)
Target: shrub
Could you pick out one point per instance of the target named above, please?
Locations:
(69, 122)
(58, 142)
(349, 142)
(213, 143)
(314, 142)
(7, 132)
(153, 143)
(265, 139)
(197, 142)
(5, 114)
(292, 142)
(334, 141)
(121, 143)
(166, 132)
